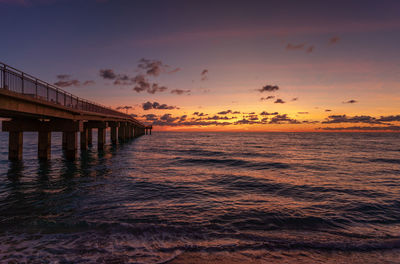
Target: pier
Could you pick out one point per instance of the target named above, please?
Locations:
(34, 105)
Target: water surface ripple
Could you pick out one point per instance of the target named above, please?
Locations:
(311, 195)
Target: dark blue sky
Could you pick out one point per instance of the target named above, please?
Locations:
(242, 44)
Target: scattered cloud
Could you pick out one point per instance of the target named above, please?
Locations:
(347, 119)
(328, 110)
(295, 99)
(363, 128)
(303, 113)
(126, 107)
(283, 119)
(158, 106)
(350, 102)
(215, 117)
(279, 101)
(269, 88)
(180, 91)
(64, 80)
(168, 118)
(152, 67)
(147, 68)
(199, 114)
(291, 46)
(334, 40)
(264, 113)
(108, 74)
(150, 117)
(389, 118)
(225, 112)
(310, 49)
(204, 75)
(267, 98)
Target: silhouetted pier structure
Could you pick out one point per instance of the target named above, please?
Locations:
(35, 105)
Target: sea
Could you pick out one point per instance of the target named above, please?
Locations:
(172, 197)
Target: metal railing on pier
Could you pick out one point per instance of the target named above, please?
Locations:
(17, 81)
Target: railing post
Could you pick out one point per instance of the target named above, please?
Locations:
(56, 96)
(4, 77)
(47, 86)
(36, 91)
(22, 79)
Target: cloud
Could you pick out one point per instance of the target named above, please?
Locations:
(328, 110)
(215, 117)
(334, 119)
(64, 80)
(363, 128)
(310, 49)
(225, 112)
(334, 40)
(303, 113)
(168, 118)
(204, 75)
(152, 67)
(389, 118)
(283, 119)
(150, 117)
(126, 107)
(267, 98)
(291, 46)
(295, 99)
(156, 105)
(267, 113)
(108, 74)
(269, 88)
(87, 83)
(133, 115)
(279, 101)
(199, 114)
(180, 92)
(350, 102)
(68, 83)
(142, 84)
(147, 68)
(63, 76)
(175, 70)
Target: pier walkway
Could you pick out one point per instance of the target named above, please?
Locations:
(34, 105)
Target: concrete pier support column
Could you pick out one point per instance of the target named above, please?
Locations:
(72, 145)
(15, 141)
(44, 145)
(150, 131)
(114, 135)
(101, 138)
(90, 136)
(121, 132)
(127, 134)
(84, 139)
(64, 140)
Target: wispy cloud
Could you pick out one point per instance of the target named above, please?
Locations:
(204, 75)
(180, 91)
(156, 105)
(352, 101)
(269, 88)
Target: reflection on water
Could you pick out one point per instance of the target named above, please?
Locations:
(264, 196)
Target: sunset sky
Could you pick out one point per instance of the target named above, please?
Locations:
(217, 65)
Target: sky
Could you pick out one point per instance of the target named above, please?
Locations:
(217, 65)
